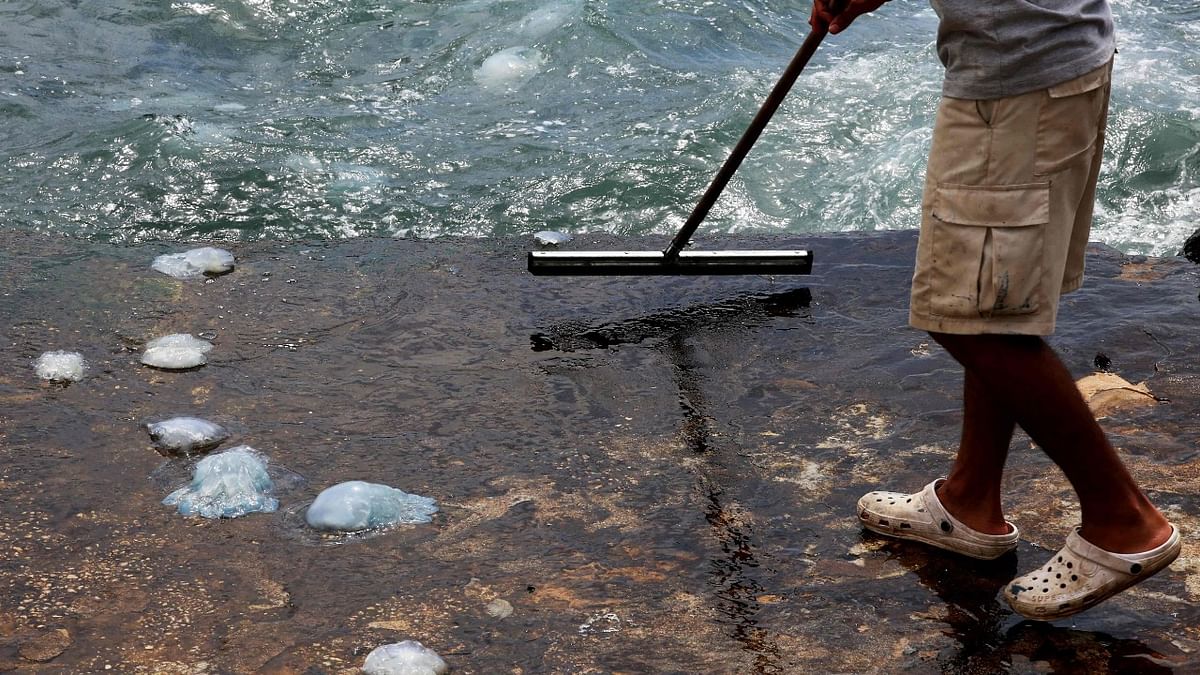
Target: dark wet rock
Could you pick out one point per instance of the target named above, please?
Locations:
(45, 646)
(681, 454)
(1191, 247)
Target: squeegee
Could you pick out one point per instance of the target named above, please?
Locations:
(674, 260)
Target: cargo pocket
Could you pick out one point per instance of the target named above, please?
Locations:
(987, 249)
(1070, 122)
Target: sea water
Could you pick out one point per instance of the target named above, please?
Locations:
(126, 121)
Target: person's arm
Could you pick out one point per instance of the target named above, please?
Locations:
(824, 13)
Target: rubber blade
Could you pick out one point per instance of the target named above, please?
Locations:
(654, 263)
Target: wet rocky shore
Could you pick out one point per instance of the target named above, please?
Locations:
(653, 475)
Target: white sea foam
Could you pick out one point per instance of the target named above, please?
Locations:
(61, 366)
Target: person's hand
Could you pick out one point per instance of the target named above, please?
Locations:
(825, 13)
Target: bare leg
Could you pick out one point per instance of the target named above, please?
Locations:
(972, 489)
(1024, 377)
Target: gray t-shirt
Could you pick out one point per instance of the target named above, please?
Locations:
(996, 48)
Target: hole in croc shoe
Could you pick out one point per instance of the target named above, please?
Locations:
(1074, 577)
(920, 510)
(946, 526)
(883, 522)
(1062, 585)
(1045, 590)
(1070, 565)
(905, 526)
(1136, 568)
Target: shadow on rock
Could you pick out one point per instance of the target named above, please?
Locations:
(987, 641)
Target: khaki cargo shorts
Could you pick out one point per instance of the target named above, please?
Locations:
(1007, 208)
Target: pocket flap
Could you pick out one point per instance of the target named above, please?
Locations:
(993, 205)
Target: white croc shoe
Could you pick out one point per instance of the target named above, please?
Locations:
(921, 517)
(1082, 575)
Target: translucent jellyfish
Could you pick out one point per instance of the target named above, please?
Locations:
(61, 366)
(176, 352)
(350, 177)
(183, 435)
(508, 69)
(227, 485)
(548, 18)
(404, 658)
(304, 164)
(195, 263)
(357, 505)
(549, 238)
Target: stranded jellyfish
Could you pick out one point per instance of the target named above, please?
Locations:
(195, 263)
(227, 485)
(404, 658)
(176, 352)
(61, 366)
(357, 505)
(183, 435)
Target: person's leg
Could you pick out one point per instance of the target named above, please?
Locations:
(1024, 378)
(971, 491)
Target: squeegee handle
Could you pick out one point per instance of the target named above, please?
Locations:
(769, 106)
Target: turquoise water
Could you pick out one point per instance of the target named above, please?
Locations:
(126, 121)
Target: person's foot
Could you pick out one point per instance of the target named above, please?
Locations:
(1083, 575)
(922, 517)
(1144, 529)
(980, 513)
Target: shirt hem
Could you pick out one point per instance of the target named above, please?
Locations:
(982, 91)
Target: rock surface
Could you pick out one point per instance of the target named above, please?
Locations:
(1191, 247)
(658, 474)
(46, 646)
(1106, 393)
